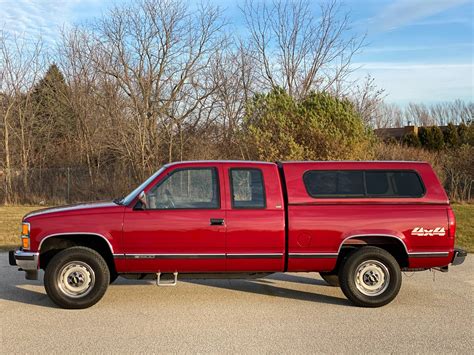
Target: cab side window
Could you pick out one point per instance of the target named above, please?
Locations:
(247, 188)
(194, 188)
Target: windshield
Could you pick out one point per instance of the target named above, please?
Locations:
(129, 198)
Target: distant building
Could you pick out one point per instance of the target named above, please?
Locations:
(399, 132)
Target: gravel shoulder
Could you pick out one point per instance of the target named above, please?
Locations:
(282, 313)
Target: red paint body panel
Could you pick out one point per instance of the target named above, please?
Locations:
(173, 232)
(102, 218)
(323, 228)
(252, 240)
(256, 231)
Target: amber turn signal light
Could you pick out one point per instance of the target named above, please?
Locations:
(25, 242)
(25, 235)
(25, 229)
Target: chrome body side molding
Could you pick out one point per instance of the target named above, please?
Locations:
(200, 256)
(313, 255)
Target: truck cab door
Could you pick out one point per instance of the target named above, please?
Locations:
(182, 228)
(255, 218)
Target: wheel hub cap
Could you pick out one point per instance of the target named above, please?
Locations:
(76, 279)
(372, 278)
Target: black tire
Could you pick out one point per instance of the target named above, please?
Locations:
(370, 277)
(331, 278)
(76, 278)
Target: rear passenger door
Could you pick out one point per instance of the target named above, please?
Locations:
(255, 218)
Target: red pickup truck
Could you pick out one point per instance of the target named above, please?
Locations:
(359, 224)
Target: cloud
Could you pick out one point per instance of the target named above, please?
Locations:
(444, 21)
(415, 82)
(414, 66)
(404, 12)
(415, 48)
(35, 19)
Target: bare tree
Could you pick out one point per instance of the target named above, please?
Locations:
(456, 112)
(20, 66)
(157, 53)
(299, 50)
(89, 97)
(234, 75)
(388, 116)
(367, 99)
(419, 114)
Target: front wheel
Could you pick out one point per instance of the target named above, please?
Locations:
(76, 278)
(370, 277)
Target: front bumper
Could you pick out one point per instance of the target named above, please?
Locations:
(459, 256)
(26, 261)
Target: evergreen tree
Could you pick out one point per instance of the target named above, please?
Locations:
(411, 140)
(466, 133)
(424, 134)
(391, 141)
(318, 127)
(451, 138)
(55, 119)
(470, 134)
(437, 139)
(462, 133)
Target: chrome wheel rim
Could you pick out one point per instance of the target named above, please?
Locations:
(372, 278)
(76, 279)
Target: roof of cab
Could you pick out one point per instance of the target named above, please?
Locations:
(295, 161)
(352, 163)
(218, 162)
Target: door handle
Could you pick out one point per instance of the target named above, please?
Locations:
(217, 221)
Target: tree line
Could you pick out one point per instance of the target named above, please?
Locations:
(156, 81)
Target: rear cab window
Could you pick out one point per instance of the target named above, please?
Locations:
(247, 188)
(363, 184)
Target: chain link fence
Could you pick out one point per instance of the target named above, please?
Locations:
(52, 186)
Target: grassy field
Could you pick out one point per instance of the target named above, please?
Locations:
(10, 218)
(465, 226)
(10, 224)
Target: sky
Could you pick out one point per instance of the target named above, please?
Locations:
(416, 50)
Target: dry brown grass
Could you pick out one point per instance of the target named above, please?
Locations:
(465, 226)
(10, 224)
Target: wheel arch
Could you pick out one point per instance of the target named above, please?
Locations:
(54, 243)
(389, 242)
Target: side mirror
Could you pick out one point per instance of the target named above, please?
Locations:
(141, 203)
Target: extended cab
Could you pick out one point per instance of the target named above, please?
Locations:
(359, 224)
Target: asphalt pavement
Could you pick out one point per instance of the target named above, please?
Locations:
(283, 313)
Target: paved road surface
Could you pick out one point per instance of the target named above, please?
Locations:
(284, 313)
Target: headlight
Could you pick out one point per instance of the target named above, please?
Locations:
(25, 235)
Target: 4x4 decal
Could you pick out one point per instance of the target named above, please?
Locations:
(422, 232)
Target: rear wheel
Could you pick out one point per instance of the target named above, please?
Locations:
(370, 277)
(331, 278)
(76, 278)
